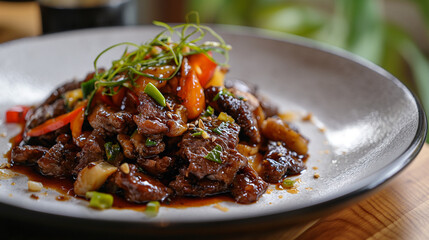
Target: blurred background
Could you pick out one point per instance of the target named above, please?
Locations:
(393, 34)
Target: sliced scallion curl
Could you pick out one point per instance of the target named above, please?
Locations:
(150, 143)
(215, 154)
(136, 58)
(154, 93)
(99, 200)
(152, 208)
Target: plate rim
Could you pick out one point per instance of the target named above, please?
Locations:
(274, 219)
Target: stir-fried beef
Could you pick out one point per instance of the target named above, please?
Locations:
(60, 160)
(110, 120)
(138, 187)
(196, 148)
(156, 166)
(61, 90)
(155, 119)
(279, 161)
(236, 108)
(248, 187)
(27, 154)
(92, 151)
(192, 186)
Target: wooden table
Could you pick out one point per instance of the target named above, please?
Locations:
(400, 210)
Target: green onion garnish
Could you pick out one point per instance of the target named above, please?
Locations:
(222, 127)
(215, 154)
(288, 183)
(209, 111)
(99, 200)
(224, 91)
(150, 142)
(158, 52)
(197, 134)
(87, 88)
(154, 93)
(112, 151)
(152, 208)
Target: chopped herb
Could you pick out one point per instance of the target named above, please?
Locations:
(154, 93)
(99, 200)
(288, 183)
(222, 127)
(150, 142)
(224, 91)
(197, 134)
(215, 154)
(209, 111)
(152, 208)
(225, 117)
(241, 98)
(112, 151)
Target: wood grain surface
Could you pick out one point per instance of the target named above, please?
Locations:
(400, 210)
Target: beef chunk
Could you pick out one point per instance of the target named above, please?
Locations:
(92, 151)
(238, 109)
(248, 187)
(110, 120)
(135, 146)
(192, 186)
(195, 148)
(138, 187)
(155, 119)
(61, 90)
(156, 166)
(41, 114)
(60, 160)
(279, 161)
(27, 154)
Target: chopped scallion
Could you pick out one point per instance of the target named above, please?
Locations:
(209, 111)
(215, 154)
(150, 142)
(99, 200)
(288, 183)
(112, 151)
(152, 208)
(154, 93)
(197, 134)
(224, 91)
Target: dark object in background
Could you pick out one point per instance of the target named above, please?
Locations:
(60, 15)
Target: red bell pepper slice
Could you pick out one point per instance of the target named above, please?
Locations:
(204, 67)
(16, 114)
(55, 123)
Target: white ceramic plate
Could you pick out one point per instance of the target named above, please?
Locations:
(373, 126)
